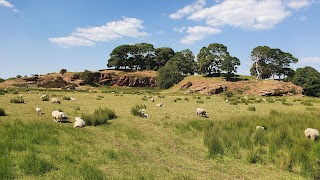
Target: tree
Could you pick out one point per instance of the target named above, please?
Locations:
(269, 62)
(143, 55)
(184, 61)
(89, 77)
(168, 76)
(119, 57)
(309, 79)
(229, 66)
(62, 71)
(1, 80)
(163, 55)
(210, 59)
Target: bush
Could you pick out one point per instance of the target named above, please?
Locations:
(2, 112)
(137, 110)
(63, 71)
(168, 76)
(99, 117)
(17, 100)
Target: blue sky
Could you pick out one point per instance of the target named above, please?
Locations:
(42, 36)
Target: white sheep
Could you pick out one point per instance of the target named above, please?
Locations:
(160, 105)
(79, 122)
(59, 116)
(201, 112)
(38, 110)
(311, 133)
(72, 99)
(44, 96)
(145, 115)
(55, 100)
(152, 99)
(258, 128)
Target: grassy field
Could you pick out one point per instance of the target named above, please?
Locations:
(173, 143)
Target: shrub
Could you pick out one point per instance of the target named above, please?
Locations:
(137, 110)
(99, 117)
(17, 100)
(2, 112)
(168, 76)
(63, 71)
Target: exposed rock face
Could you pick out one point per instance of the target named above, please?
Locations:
(208, 89)
(127, 80)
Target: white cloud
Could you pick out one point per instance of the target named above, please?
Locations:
(246, 14)
(198, 33)
(111, 31)
(297, 4)
(70, 41)
(8, 5)
(180, 30)
(309, 60)
(196, 6)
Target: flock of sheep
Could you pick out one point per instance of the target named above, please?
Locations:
(59, 116)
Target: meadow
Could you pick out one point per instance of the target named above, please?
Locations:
(173, 143)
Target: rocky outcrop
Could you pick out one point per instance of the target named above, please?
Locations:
(209, 89)
(127, 80)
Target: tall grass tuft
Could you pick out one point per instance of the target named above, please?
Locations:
(251, 108)
(17, 100)
(2, 112)
(31, 164)
(283, 144)
(99, 117)
(66, 98)
(138, 110)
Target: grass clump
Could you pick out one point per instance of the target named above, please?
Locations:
(199, 101)
(99, 117)
(2, 112)
(138, 110)
(251, 108)
(66, 98)
(17, 100)
(306, 103)
(33, 165)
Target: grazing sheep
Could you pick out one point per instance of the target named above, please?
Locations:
(160, 105)
(201, 112)
(38, 110)
(79, 122)
(55, 100)
(258, 128)
(145, 115)
(72, 99)
(152, 99)
(59, 116)
(44, 96)
(311, 133)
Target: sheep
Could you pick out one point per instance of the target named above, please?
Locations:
(201, 112)
(59, 116)
(152, 99)
(72, 99)
(312, 134)
(55, 100)
(44, 96)
(160, 105)
(38, 110)
(79, 122)
(145, 115)
(258, 128)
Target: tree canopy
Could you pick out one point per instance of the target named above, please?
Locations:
(309, 79)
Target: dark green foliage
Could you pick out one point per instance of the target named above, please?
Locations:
(63, 71)
(168, 76)
(2, 112)
(1, 80)
(90, 78)
(99, 117)
(184, 61)
(309, 79)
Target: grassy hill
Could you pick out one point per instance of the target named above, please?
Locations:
(170, 144)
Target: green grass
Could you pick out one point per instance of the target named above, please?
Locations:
(169, 145)
(99, 117)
